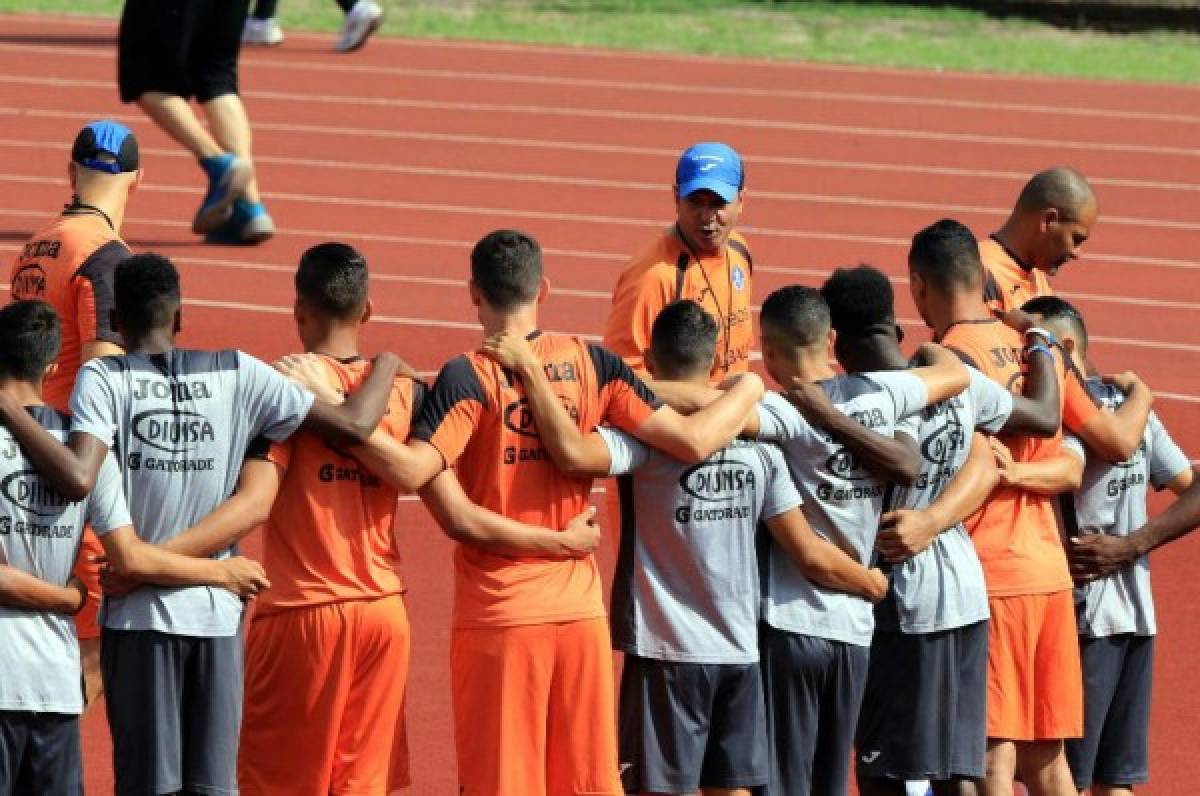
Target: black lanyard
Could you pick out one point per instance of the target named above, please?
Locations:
(725, 320)
(77, 208)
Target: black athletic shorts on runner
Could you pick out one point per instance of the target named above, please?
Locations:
(1117, 674)
(684, 726)
(186, 48)
(814, 690)
(40, 753)
(175, 710)
(924, 713)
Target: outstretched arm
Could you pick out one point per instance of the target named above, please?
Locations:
(466, 522)
(1060, 473)
(892, 458)
(906, 532)
(20, 589)
(1112, 435)
(242, 512)
(132, 558)
(351, 422)
(822, 561)
(942, 372)
(72, 468)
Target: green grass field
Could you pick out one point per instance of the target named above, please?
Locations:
(875, 33)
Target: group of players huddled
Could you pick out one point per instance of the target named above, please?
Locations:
(932, 564)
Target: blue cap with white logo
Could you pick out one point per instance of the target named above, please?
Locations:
(106, 146)
(710, 166)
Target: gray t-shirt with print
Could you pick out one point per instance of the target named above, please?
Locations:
(1112, 500)
(686, 588)
(943, 587)
(842, 500)
(40, 533)
(179, 424)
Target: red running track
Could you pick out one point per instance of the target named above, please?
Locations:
(411, 150)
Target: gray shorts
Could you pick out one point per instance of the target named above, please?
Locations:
(175, 711)
(924, 713)
(814, 690)
(1117, 673)
(40, 753)
(684, 726)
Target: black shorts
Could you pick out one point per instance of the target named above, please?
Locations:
(685, 726)
(1117, 673)
(175, 710)
(814, 690)
(924, 713)
(40, 753)
(186, 48)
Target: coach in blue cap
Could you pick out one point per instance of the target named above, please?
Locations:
(699, 257)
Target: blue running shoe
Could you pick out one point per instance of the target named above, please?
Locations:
(228, 176)
(248, 223)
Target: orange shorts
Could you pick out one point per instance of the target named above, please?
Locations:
(324, 704)
(534, 710)
(88, 573)
(1035, 683)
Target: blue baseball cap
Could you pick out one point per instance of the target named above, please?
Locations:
(106, 138)
(712, 166)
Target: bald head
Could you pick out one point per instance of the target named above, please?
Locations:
(1062, 189)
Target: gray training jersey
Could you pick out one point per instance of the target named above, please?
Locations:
(40, 533)
(179, 424)
(686, 587)
(842, 501)
(943, 587)
(1112, 500)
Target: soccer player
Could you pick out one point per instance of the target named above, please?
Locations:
(169, 51)
(686, 593)
(40, 533)
(1116, 620)
(700, 257)
(1034, 692)
(69, 263)
(531, 666)
(181, 421)
(932, 628)
(1053, 217)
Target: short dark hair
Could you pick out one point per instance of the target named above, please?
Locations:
(506, 266)
(798, 314)
(684, 338)
(860, 301)
(1056, 310)
(30, 338)
(146, 292)
(333, 278)
(946, 254)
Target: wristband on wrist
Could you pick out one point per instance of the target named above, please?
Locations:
(1045, 334)
(1039, 347)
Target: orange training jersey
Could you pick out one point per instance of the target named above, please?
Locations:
(477, 417)
(1016, 532)
(666, 272)
(69, 264)
(329, 537)
(1007, 286)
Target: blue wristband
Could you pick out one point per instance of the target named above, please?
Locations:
(1045, 334)
(1042, 347)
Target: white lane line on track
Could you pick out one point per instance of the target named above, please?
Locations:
(618, 185)
(282, 62)
(138, 120)
(716, 122)
(108, 25)
(591, 219)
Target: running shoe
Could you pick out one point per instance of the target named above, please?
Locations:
(363, 19)
(262, 32)
(248, 224)
(228, 176)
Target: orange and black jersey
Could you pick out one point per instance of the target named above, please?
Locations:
(477, 417)
(69, 264)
